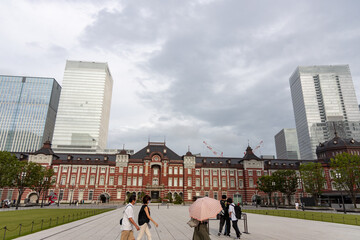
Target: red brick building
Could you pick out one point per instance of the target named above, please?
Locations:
(157, 170)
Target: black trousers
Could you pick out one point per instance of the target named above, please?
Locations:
(236, 228)
(223, 220)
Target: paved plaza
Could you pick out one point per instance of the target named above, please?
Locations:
(172, 225)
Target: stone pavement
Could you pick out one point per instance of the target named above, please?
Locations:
(172, 225)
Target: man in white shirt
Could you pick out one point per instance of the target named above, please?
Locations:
(233, 218)
(128, 220)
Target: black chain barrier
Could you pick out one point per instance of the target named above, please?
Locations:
(48, 223)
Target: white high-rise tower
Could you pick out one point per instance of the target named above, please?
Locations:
(323, 99)
(83, 116)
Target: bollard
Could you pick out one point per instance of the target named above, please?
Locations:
(245, 223)
(20, 229)
(42, 221)
(32, 226)
(159, 206)
(4, 232)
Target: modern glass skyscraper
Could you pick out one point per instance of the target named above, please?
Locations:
(84, 109)
(286, 144)
(324, 100)
(28, 108)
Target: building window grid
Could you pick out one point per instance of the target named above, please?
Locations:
(120, 180)
(223, 182)
(189, 181)
(198, 182)
(206, 182)
(111, 181)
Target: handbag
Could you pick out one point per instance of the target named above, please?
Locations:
(193, 222)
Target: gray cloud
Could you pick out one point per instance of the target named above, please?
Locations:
(227, 63)
(208, 70)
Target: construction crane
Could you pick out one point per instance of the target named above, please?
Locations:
(213, 150)
(258, 146)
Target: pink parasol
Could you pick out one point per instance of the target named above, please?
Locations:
(205, 208)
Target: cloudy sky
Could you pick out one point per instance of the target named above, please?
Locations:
(187, 71)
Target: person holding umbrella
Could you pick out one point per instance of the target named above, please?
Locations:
(203, 209)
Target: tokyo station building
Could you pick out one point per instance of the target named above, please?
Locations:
(156, 170)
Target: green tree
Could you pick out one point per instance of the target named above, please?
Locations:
(169, 195)
(43, 181)
(313, 178)
(27, 173)
(286, 182)
(8, 169)
(346, 173)
(267, 184)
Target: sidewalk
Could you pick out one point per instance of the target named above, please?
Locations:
(172, 225)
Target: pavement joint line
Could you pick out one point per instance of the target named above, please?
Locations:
(65, 230)
(170, 222)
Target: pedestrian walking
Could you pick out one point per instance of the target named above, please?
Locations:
(297, 205)
(128, 220)
(144, 219)
(224, 217)
(233, 217)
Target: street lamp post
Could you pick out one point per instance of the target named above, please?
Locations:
(44, 193)
(72, 192)
(22, 176)
(273, 184)
(59, 198)
(343, 202)
(338, 175)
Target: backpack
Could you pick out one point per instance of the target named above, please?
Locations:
(121, 220)
(237, 211)
(222, 213)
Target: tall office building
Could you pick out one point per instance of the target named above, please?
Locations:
(84, 109)
(28, 108)
(324, 100)
(286, 143)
